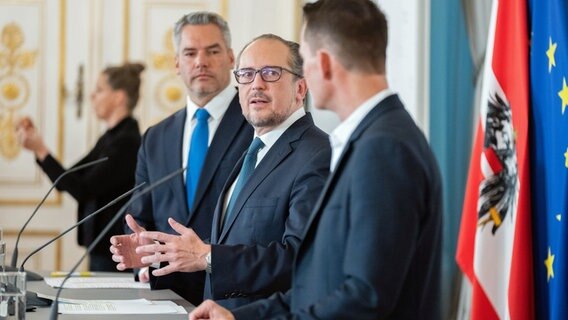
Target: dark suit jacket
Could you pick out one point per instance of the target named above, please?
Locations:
(95, 186)
(372, 248)
(160, 154)
(252, 253)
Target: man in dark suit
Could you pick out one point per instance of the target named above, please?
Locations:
(259, 217)
(372, 247)
(204, 61)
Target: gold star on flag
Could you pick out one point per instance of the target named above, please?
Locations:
(550, 54)
(563, 94)
(566, 158)
(549, 268)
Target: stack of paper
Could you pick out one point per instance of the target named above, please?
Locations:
(138, 306)
(96, 282)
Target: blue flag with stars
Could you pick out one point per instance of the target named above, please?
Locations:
(549, 154)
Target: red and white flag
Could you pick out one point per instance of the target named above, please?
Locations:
(494, 248)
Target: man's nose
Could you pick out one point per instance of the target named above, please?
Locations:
(201, 59)
(258, 83)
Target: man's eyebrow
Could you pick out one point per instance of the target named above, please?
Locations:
(213, 46)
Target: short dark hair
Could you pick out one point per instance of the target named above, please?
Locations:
(294, 59)
(126, 77)
(200, 18)
(355, 30)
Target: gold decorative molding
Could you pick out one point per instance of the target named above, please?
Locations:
(298, 19)
(126, 40)
(26, 61)
(169, 93)
(224, 11)
(14, 86)
(62, 61)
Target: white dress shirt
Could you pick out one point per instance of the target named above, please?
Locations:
(339, 137)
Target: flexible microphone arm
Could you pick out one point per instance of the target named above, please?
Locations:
(77, 168)
(85, 219)
(55, 304)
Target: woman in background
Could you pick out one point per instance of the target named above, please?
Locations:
(114, 98)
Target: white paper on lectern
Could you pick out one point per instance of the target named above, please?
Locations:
(96, 282)
(140, 306)
(82, 301)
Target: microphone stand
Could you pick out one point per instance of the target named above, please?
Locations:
(31, 297)
(31, 275)
(87, 218)
(54, 305)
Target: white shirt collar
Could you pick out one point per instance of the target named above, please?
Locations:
(339, 137)
(270, 138)
(217, 106)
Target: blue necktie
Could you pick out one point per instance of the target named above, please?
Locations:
(197, 152)
(246, 171)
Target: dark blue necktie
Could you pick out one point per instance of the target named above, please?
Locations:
(197, 152)
(246, 171)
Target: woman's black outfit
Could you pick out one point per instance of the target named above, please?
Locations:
(95, 186)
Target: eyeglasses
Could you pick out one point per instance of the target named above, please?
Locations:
(268, 74)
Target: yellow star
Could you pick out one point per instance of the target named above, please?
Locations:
(549, 268)
(566, 158)
(550, 54)
(563, 94)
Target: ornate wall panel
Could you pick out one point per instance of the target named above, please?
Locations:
(31, 56)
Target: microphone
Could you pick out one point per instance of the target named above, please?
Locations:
(31, 297)
(85, 219)
(77, 168)
(54, 306)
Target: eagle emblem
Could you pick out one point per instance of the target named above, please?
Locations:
(498, 190)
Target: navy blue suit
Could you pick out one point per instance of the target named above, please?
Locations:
(372, 246)
(160, 154)
(252, 254)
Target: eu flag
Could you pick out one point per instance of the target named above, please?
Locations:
(549, 154)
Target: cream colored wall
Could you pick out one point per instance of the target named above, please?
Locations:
(62, 133)
(98, 33)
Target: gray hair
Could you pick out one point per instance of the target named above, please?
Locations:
(202, 18)
(294, 59)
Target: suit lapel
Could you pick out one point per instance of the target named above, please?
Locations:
(324, 195)
(388, 104)
(216, 227)
(228, 128)
(279, 151)
(173, 159)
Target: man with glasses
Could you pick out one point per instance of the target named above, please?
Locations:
(372, 247)
(265, 204)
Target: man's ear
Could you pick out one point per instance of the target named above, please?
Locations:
(176, 61)
(302, 90)
(324, 60)
(232, 57)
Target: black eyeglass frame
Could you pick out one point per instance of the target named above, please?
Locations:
(280, 69)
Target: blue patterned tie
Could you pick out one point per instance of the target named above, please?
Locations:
(246, 170)
(197, 152)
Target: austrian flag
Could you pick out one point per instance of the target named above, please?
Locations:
(494, 248)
